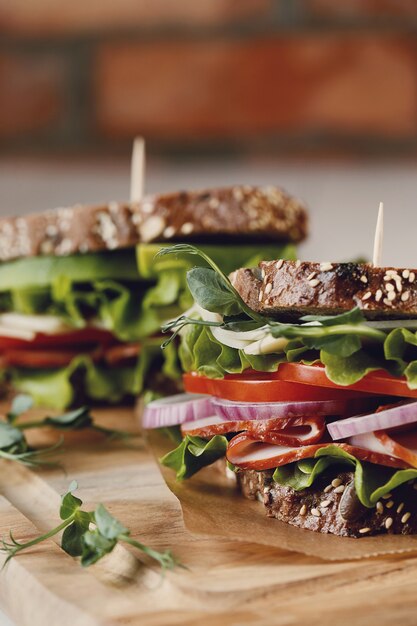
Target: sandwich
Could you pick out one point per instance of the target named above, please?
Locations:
(82, 297)
(302, 377)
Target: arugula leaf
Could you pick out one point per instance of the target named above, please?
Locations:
(20, 404)
(193, 454)
(372, 481)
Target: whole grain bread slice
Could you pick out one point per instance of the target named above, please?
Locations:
(252, 213)
(288, 289)
(325, 508)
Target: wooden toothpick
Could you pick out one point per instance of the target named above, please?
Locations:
(137, 171)
(379, 236)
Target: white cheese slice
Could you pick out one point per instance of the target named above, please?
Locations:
(20, 322)
(267, 345)
(15, 333)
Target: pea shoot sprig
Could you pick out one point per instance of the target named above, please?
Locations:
(14, 445)
(77, 419)
(88, 534)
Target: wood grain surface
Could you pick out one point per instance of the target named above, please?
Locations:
(228, 582)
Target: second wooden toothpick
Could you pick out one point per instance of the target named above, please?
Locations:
(137, 172)
(379, 236)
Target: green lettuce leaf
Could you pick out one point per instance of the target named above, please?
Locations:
(371, 481)
(194, 453)
(129, 293)
(200, 352)
(400, 347)
(349, 370)
(59, 388)
(347, 347)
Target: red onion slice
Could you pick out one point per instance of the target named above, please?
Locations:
(236, 411)
(174, 410)
(380, 420)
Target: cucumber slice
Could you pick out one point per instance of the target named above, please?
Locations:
(81, 268)
(229, 257)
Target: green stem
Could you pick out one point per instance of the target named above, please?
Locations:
(48, 535)
(31, 458)
(111, 433)
(165, 559)
(189, 249)
(23, 546)
(28, 425)
(41, 424)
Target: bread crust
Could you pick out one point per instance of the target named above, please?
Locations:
(240, 211)
(319, 509)
(290, 289)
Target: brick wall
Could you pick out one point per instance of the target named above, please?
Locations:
(289, 76)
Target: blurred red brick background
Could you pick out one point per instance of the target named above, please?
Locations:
(289, 76)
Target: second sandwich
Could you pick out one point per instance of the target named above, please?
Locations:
(82, 297)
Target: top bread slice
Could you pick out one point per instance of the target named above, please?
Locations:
(289, 289)
(251, 213)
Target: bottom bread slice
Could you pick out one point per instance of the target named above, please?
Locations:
(332, 506)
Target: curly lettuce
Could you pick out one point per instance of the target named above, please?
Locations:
(127, 292)
(345, 344)
(194, 453)
(372, 481)
(60, 388)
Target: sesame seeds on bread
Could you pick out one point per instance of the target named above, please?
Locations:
(251, 213)
(331, 505)
(294, 288)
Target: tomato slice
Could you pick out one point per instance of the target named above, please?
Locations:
(40, 359)
(259, 387)
(44, 358)
(123, 352)
(75, 337)
(378, 382)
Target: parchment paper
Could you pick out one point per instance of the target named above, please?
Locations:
(212, 504)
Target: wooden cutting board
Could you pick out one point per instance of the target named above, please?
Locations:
(228, 582)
